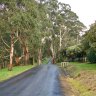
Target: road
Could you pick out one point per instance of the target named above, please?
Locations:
(41, 81)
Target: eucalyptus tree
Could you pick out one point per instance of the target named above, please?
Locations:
(21, 20)
(43, 26)
(68, 24)
(28, 22)
(4, 27)
(65, 25)
(29, 28)
(52, 6)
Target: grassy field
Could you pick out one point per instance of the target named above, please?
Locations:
(5, 74)
(76, 67)
(84, 66)
(84, 75)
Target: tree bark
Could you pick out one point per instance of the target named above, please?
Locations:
(26, 54)
(53, 54)
(60, 43)
(18, 59)
(39, 56)
(11, 52)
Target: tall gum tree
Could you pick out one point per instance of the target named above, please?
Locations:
(65, 25)
(21, 17)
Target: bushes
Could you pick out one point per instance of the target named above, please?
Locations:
(89, 43)
(91, 55)
(61, 56)
(75, 53)
(78, 53)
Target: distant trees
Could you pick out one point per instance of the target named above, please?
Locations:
(65, 27)
(30, 30)
(89, 43)
(86, 49)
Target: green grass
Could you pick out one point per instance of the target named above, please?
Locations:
(5, 74)
(83, 66)
(81, 89)
(75, 70)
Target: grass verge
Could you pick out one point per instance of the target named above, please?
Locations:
(79, 88)
(76, 68)
(84, 78)
(5, 74)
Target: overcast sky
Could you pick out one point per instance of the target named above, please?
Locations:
(85, 9)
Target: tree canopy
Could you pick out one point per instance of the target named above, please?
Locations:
(27, 26)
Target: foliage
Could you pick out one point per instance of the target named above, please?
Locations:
(45, 60)
(89, 43)
(91, 55)
(65, 28)
(36, 25)
(75, 53)
(62, 56)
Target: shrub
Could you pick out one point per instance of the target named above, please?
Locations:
(91, 55)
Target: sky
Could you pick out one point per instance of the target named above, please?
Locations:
(85, 9)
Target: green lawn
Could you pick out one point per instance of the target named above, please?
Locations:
(75, 68)
(84, 66)
(5, 74)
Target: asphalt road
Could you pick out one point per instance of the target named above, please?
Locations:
(41, 81)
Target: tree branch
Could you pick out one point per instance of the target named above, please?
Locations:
(6, 56)
(7, 50)
(5, 42)
(15, 41)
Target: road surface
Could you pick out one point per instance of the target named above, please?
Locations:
(41, 81)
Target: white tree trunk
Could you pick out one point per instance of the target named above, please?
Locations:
(53, 53)
(11, 52)
(60, 43)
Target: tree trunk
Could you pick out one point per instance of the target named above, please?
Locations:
(53, 54)
(11, 52)
(60, 43)
(53, 61)
(39, 56)
(26, 54)
(32, 61)
(18, 59)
